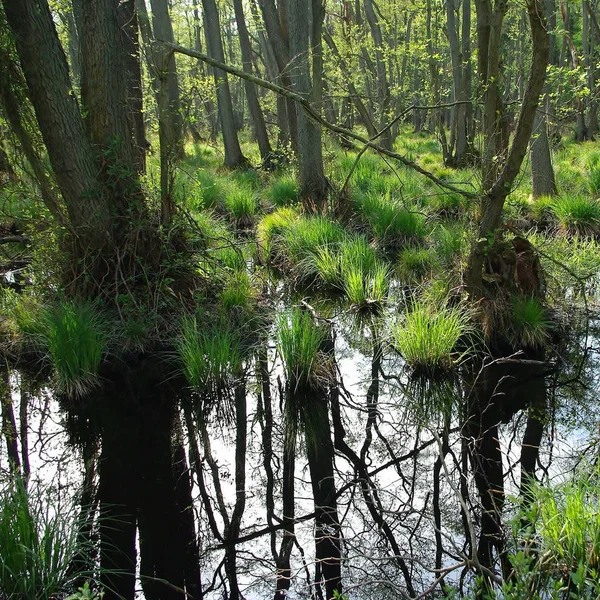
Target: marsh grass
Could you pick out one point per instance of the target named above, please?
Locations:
(238, 293)
(449, 241)
(366, 287)
(303, 236)
(416, 263)
(270, 229)
(74, 334)
(427, 337)
(578, 214)
(38, 546)
(241, 203)
(530, 323)
(283, 190)
(391, 224)
(594, 170)
(210, 358)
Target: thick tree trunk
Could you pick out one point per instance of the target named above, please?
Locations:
(311, 175)
(542, 172)
(71, 154)
(233, 153)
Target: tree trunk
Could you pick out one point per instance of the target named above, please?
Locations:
(542, 172)
(311, 175)
(233, 153)
(260, 129)
(71, 154)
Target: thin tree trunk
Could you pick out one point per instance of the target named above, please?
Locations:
(260, 129)
(233, 153)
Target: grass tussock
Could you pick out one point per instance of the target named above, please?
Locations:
(209, 357)
(427, 337)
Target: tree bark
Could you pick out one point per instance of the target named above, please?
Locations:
(260, 129)
(71, 154)
(311, 174)
(233, 153)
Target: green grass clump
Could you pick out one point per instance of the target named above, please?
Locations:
(427, 337)
(567, 522)
(272, 226)
(74, 336)
(530, 322)
(299, 342)
(390, 223)
(209, 356)
(238, 293)
(304, 236)
(241, 203)
(448, 204)
(38, 546)
(577, 214)
(449, 242)
(284, 191)
(209, 190)
(417, 263)
(594, 166)
(366, 288)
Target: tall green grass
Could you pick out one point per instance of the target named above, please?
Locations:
(299, 342)
(283, 190)
(209, 357)
(578, 214)
(241, 203)
(391, 224)
(38, 546)
(74, 334)
(530, 322)
(427, 337)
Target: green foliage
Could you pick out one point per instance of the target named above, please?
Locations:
(530, 322)
(74, 335)
(416, 263)
(242, 203)
(427, 337)
(299, 342)
(578, 214)
(391, 224)
(38, 546)
(238, 293)
(283, 190)
(209, 191)
(209, 356)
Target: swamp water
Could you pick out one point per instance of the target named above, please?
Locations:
(398, 433)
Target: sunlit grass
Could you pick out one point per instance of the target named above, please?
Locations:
(427, 337)
(530, 322)
(74, 334)
(283, 190)
(577, 214)
(209, 356)
(242, 204)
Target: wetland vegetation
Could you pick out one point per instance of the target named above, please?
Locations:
(312, 313)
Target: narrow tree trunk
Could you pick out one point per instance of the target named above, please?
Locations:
(542, 172)
(260, 129)
(233, 153)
